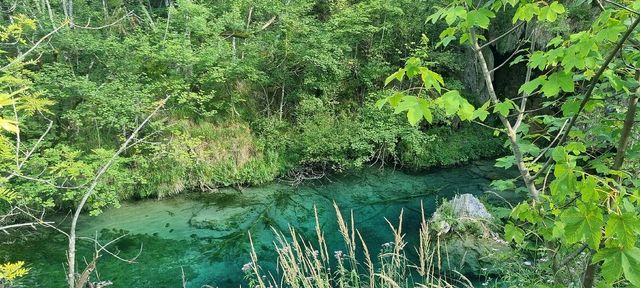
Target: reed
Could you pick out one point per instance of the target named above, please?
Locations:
(307, 264)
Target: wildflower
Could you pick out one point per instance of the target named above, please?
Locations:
(338, 254)
(387, 245)
(314, 253)
(527, 263)
(485, 283)
(246, 267)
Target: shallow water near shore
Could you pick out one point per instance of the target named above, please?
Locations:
(205, 236)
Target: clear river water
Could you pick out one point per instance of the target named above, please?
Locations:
(206, 234)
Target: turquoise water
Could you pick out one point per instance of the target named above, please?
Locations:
(206, 235)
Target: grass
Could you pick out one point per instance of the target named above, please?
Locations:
(306, 264)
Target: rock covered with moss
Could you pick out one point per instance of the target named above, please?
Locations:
(467, 235)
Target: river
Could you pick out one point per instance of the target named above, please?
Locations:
(205, 234)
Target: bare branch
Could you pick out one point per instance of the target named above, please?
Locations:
(502, 35)
(71, 253)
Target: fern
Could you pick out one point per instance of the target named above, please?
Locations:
(8, 195)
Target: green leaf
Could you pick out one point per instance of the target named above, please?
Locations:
(466, 111)
(480, 18)
(556, 82)
(623, 229)
(506, 162)
(392, 100)
(584, 221)
(620, 261)
(503, 107)
(557, 7)
(588, 190)
(414, 116)
(575, 147)
(431, 79)
(570, 107)
(558, 230)
(559, 154)
(503, 185)
(412, 67)
(537, 60)
(532, 85)
(451, 102)
(481, 113)
(513, 233)
(399, 75)
(523, 212)
(6, 100)
(416, 108)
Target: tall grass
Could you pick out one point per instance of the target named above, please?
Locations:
(307, 264)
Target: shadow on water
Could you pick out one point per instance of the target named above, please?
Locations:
(206, 235)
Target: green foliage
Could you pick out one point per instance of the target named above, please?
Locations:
(444, 146)
(581, 78)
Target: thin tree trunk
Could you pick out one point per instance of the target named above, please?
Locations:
(281, 101)
(46, 2)
(71, 253)
(511, 132)
(629, 120)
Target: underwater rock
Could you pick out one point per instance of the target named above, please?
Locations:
(464, 228)
(225, 221)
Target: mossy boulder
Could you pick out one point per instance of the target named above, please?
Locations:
(468, 241)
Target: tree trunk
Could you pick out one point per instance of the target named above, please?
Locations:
(511, 132)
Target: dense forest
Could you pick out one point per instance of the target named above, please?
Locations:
(105, 102)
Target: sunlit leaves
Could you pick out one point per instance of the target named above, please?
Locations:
(453, 103)
(416, 109)
(431, 79)
(503, 107)
(481, 113)
(6, 100)
(420, 107)
(532, 85)
(548, 13)
(11, 271)
(398, 75)
(8, 195)
(9, 125)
